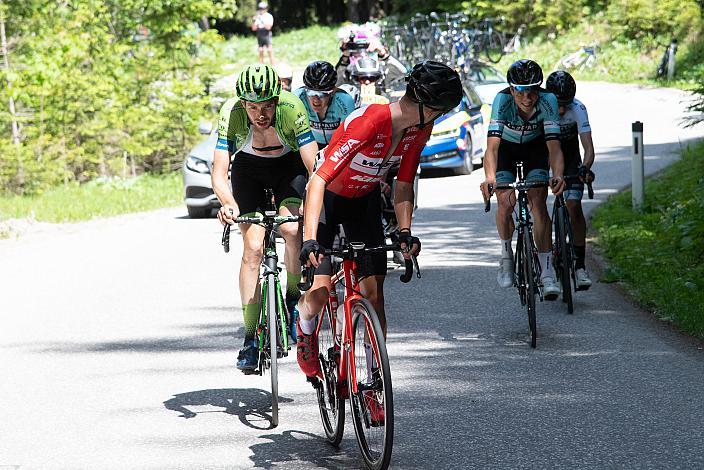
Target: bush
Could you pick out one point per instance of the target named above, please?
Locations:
(651, 20)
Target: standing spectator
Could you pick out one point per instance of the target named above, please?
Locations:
(262, 23)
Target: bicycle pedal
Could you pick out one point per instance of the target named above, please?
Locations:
(251, 372)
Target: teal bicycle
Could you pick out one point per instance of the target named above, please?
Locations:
(273, 318)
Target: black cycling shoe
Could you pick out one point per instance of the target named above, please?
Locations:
(248, 358)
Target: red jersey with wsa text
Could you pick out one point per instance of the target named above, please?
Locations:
(356, 159)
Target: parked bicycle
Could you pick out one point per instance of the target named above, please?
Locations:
(526, 264)
(353, 359)
(272, 337)
(563, 246)
(584, 58)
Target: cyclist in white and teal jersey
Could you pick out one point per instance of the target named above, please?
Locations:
(327, 105)
(267, 131)
(575, 128)
(525, 127)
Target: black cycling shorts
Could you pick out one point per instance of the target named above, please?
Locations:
(263, 37)
(361, 219)
(534, 155)
(251, 174)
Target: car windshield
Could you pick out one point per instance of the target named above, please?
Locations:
(483, 74)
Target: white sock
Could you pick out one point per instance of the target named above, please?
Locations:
(307, 326)
(546, 265)
(506, 249)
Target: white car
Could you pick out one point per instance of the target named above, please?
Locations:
(199, 196)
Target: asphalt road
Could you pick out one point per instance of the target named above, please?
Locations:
(119, 336)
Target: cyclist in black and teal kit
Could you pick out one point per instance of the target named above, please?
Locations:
(267, 131)
(525, 127)
(327, 105)
(575, 128)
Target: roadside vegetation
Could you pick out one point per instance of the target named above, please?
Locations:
(130, 81)
(658, 253)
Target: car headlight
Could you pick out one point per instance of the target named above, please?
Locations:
(197, 164)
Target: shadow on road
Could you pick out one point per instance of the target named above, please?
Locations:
(251, 405)
(299, 447)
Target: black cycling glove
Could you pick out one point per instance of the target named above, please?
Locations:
(405, 236)
(585, 173)
(309, 246)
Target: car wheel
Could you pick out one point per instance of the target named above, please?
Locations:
(467, 165)
(198, 212)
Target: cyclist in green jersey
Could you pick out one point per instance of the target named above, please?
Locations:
(265, 141)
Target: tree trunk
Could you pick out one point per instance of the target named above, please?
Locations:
(6, 66)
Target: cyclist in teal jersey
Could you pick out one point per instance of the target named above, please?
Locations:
(575, 128)
(524, 127)
(267, 131)
(327, 105)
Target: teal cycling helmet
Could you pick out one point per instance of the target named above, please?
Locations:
(257, 83)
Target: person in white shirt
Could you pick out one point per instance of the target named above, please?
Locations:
(262, 23)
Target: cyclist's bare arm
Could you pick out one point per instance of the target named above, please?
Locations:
(588, 146)
(557, 164)
(491, 156)
(403, 204)
(221, 186)
(312, 208)
(308, 154)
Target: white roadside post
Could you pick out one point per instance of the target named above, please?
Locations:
(637, 166)
(671, 59)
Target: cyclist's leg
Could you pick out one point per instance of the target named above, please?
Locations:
(249, 195)
(505, 173)
(536, 169)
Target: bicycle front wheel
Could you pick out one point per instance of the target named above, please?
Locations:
(564, 258)
(272, 326)
(368, 372)
(494, 47)
(530, 287)
(330, 399)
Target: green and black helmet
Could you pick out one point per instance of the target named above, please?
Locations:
(257, 83)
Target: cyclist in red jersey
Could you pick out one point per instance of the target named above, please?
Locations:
(345, 190)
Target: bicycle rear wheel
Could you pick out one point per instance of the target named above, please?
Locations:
(272, 326)
(372, 406)
(530, 286)
(330, 400)
(563, 257)
(494, 47)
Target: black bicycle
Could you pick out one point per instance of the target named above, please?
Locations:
(272, 301)
(563, 245)
(526, 264)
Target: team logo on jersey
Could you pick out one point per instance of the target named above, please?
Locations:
(379, 145)
(344, 149)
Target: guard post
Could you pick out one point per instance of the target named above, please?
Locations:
(637, 166)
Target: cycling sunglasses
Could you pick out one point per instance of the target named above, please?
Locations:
(528, 87)
(318, 93)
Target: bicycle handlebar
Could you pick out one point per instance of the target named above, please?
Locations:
(259, 219)
(525, 185)
(350, 251)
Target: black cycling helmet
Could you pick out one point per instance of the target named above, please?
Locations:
(434, 85)
(320, 76)
(366, 68)
(562, 85)
(525, 73)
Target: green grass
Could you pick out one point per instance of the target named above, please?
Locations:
(620, 62)
(658, 253)
(298, 48)
(72, 203)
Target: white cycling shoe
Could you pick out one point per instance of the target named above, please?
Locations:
(583, 281)
(505, 275)
(551, 291)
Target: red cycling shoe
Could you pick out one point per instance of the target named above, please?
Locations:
(307, 353)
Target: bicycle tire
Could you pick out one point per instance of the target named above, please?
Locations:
(375, 437)
(494, 47)
(330, 401)
(529, 273)
(565, 261)
(272, 327)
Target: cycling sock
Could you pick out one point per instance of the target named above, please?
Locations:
(292, 280)
(307, 326)
(506, 249)
(546, 265)
(580, 252)
(251, 318)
